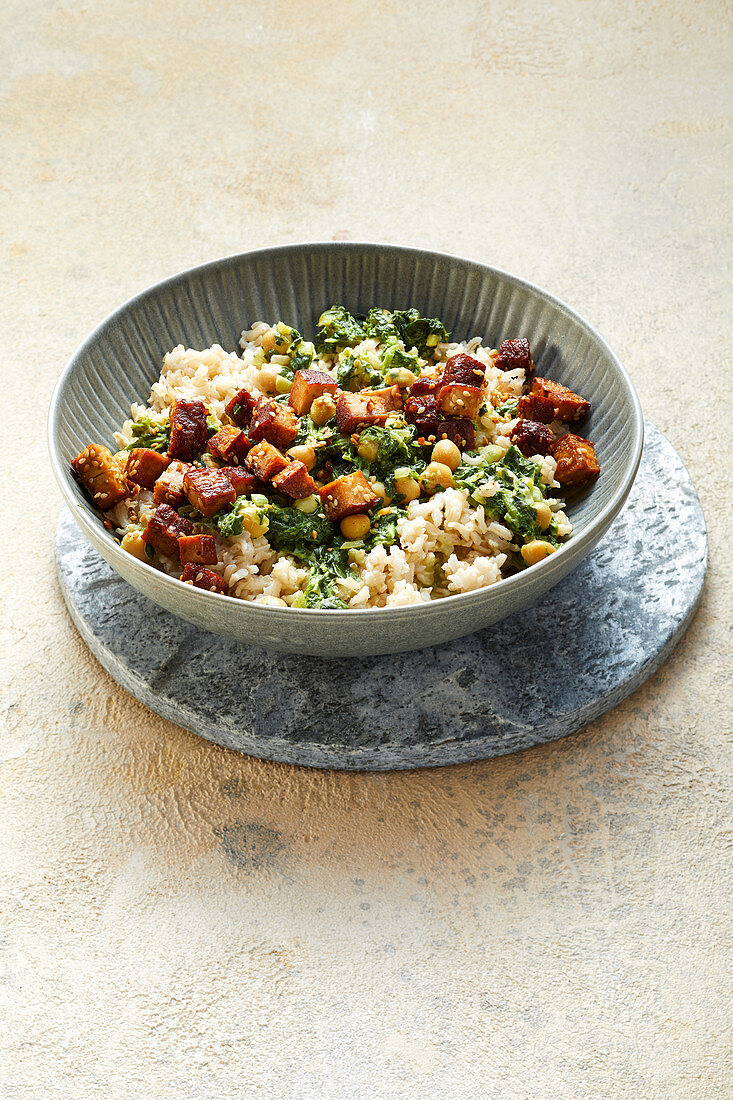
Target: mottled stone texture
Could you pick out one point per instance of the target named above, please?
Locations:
(580, 649)
(181, 921)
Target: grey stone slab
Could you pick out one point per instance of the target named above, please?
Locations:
(534, 677)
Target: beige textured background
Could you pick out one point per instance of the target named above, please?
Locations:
(178, 921)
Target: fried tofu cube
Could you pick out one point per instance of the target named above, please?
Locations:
(347, 495)
(265, 461)
(164, 528)
(537, 408)
(514, 354)
(230, 445)
(168, 488)
(464, 370)
(145, 466)
(197, 549)
(567, 406)
(295, 481)
(455, 399)
(459, 430)
(242, 481)
(532, 437)
(307, 386)
(425, 385)
(189, 431)
(275, 422)
(204, 578)
(101, 474)
(208, 490)
(240, 408)
(359, 410)
(422, 411)
(576, 460)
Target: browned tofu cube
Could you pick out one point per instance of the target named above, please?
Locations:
(347, 495)
(168, 489)
(307, 386)
(144, 466)
(188, 429)
(240, 408)
(295, 481)
(242, 481)
(359, 410)
(275, 422)
(455, 399)
(459, 431)
(514, 354)
(164, 529)
(533, 406)
(101, 474)
(265, 461)
(208, 490)
(425, 385)
(230, 445)
(204, 578)
(464, 370)
(197, 549)
(567, 406)
(576, 460)
(532, 437)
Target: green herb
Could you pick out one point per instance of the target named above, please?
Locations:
(149, 432)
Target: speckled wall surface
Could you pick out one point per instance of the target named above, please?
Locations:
(180, 921)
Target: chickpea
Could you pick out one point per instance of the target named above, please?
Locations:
(399, 376)
(536, 551)
(268, 377)
(355, 527)
(544, 515)
(134, 544)
(368, 449)
(274, 341)
(445, 451)
(322, 409)
(437, 474)
(272, 601)
(407, 488)
(380, 488)
(303, 453)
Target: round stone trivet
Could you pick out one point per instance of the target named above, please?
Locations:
(536, 676)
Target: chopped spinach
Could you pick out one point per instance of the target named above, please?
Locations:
(423, 333)
(509, 408)
(148, 432)
(296, 533)
(517, 479)
(354, 373)
(337, 329)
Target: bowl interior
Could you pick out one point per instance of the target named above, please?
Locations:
(213, 303)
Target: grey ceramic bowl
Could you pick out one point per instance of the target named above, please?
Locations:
(214, 302)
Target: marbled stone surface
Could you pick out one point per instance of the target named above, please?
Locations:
(183, 922)
(532, 678)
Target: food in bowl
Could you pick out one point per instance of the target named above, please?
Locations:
(379, 465)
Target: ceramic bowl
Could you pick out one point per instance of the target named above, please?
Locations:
(210, 304)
